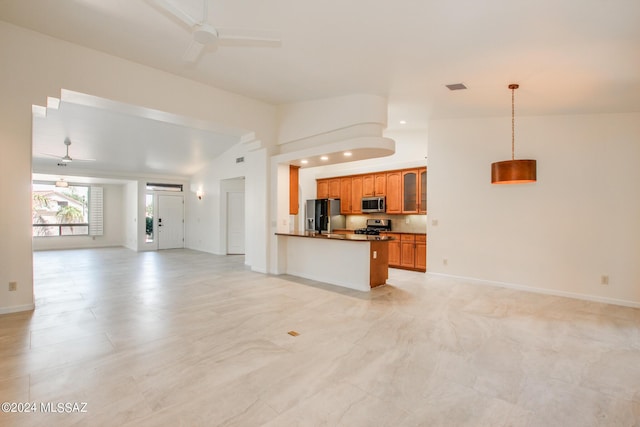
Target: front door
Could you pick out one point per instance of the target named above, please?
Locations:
(170, 222)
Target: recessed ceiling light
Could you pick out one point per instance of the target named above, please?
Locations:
(456, 86)
(347, 153)
(325, 158)
(403, 122)
(304, 162)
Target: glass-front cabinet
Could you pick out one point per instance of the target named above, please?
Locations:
(422, 207)
(410, 191)
(414, 191)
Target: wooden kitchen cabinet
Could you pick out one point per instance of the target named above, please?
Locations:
(422, 190)
(368, 185)
(421, 252)
(408, 250)
(394, 249)
(322, 189)
(356, 194)
(405, 190)
(294, 202)
(374, 184)
(345, 195)
(394, 192)
(334, 188)
(380, 184)
(410, 190)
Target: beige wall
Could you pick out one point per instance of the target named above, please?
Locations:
(580, 221)
(36, 66)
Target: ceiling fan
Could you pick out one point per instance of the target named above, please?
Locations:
(206, 35)
(66, 158)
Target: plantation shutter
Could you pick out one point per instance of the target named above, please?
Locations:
(95, 212)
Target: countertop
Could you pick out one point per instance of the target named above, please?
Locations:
(334, 236)
(394, 232)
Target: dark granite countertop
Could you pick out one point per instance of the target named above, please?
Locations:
(334, 236)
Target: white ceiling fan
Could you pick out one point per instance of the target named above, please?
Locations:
(66, 158)
(206, 35)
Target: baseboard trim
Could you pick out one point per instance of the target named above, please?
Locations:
(17, 308)
(585, 297)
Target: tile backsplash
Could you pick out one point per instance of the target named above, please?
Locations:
(403, 223)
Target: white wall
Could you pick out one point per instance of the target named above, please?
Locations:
(206, 218)
(35, 66)
(580, 221)
(130, 214)
(113, 224)
(302, 120)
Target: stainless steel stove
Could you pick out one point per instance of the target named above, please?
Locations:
(375, 226)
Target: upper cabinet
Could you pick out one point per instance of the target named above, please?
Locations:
(422, 183)
(405, 190)
(345, 195)
(414, 191)
(322, 186)
(394, 192)
(374, 184)
(328, 188)
(334, 188)
(380, 184)
(368, 185)
(356, 194)
(410, 195)
(293, 190)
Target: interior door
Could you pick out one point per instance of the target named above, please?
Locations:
(235, 223)
(170, 222)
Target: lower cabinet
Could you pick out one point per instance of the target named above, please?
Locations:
(421, 252)
(408, 251)
(394, 250)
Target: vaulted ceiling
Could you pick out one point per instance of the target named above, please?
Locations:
(570, 56)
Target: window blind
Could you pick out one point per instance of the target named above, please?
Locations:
(96, 211)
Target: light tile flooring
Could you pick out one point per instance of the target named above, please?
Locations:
(185, 338)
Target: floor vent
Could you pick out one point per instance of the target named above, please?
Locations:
(456, 86)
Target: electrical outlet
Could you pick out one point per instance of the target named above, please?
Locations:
(375, 254)
(13, 286)
(434, 222)
(445, 261)
(604, 279)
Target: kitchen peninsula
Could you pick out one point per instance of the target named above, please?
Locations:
(358, 262)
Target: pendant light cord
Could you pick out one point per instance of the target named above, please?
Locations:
(513, 123)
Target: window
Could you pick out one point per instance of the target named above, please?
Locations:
(60, 211)
(149, 218)
(151, 186)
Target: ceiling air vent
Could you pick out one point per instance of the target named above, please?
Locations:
(239, 159)
(456, 86)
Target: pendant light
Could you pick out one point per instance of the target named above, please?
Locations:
(513, 171)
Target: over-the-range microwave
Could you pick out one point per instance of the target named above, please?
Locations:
(373, 204)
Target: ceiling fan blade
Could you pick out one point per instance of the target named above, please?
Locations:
(83, 160)
(248, 38)
(193, 52)
(175, 10)
(51, 155)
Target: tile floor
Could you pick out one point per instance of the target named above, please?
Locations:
(183, 338)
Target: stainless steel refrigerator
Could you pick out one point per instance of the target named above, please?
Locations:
(323, 215)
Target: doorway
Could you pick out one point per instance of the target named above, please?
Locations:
(170, 221)
(235, 223)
